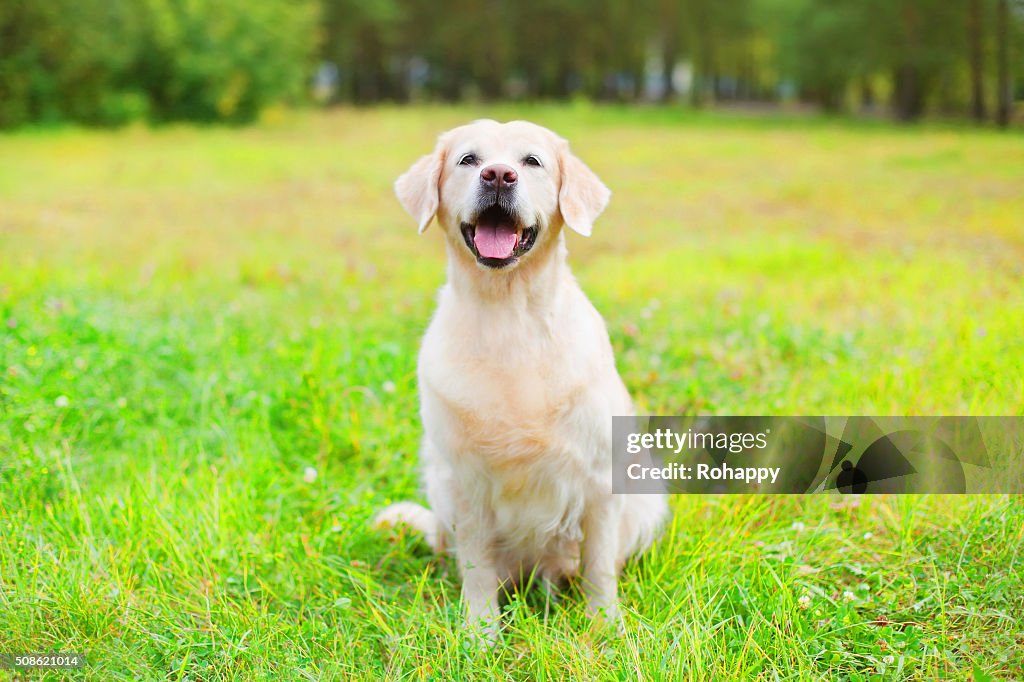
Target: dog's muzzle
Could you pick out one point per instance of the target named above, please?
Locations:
(496, 237)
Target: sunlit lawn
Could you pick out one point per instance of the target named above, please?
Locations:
(193, 318)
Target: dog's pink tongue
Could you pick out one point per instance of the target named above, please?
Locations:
(496, 241)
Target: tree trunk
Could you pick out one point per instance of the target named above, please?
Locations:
(562, 86)
(908, 93)
(708, 72)
(668, 67)
(1004, 85)
(974, 39)
(703, 55)
(867, 95)
(451, 86)
(908, 81)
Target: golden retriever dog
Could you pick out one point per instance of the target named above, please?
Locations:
(517, 378)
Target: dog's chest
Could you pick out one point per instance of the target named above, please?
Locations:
(509, 393)
(508, 417)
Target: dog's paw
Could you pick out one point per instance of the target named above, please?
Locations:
(400, 513)
(414, 516)
(607, 617)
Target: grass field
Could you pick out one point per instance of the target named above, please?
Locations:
(207, 388)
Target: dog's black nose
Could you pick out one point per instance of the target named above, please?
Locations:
(499, 176)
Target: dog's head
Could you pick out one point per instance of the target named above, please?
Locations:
(502, 191)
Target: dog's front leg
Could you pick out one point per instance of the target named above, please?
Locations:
(600, 549)
(480, 580)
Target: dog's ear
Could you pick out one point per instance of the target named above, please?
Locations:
(582, 196)
(418, 189)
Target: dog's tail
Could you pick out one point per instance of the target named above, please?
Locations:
(417, 517)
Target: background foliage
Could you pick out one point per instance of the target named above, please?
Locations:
(108, 62)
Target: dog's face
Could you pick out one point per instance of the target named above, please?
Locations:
(501, 191)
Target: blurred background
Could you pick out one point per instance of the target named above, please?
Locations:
(111, 62)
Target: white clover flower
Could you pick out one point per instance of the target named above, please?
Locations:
(388, 387)
(868, 535)
(798, 526)
(849, 596)
(804, 602)
(309, 475)
(889, 660)
(62, 401)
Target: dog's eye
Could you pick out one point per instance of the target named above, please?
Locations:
(468, 160)
(532, 160)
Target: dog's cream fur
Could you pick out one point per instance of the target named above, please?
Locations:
(518, 385)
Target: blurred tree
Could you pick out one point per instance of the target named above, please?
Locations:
(669, 25)
(361, 37)
(717, 37)
(923, 40)
(550, 41)
(25, 87)
(976, 38)
(111, 61)
(827, 45)
(225, 60)
(68, 59)
(609, 61)
(1003, 85)
(701, 46)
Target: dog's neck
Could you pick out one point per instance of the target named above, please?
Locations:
(531, 284)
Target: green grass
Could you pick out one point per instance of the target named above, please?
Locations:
(189, 319)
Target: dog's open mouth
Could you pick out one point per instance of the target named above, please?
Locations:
(497, 240)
